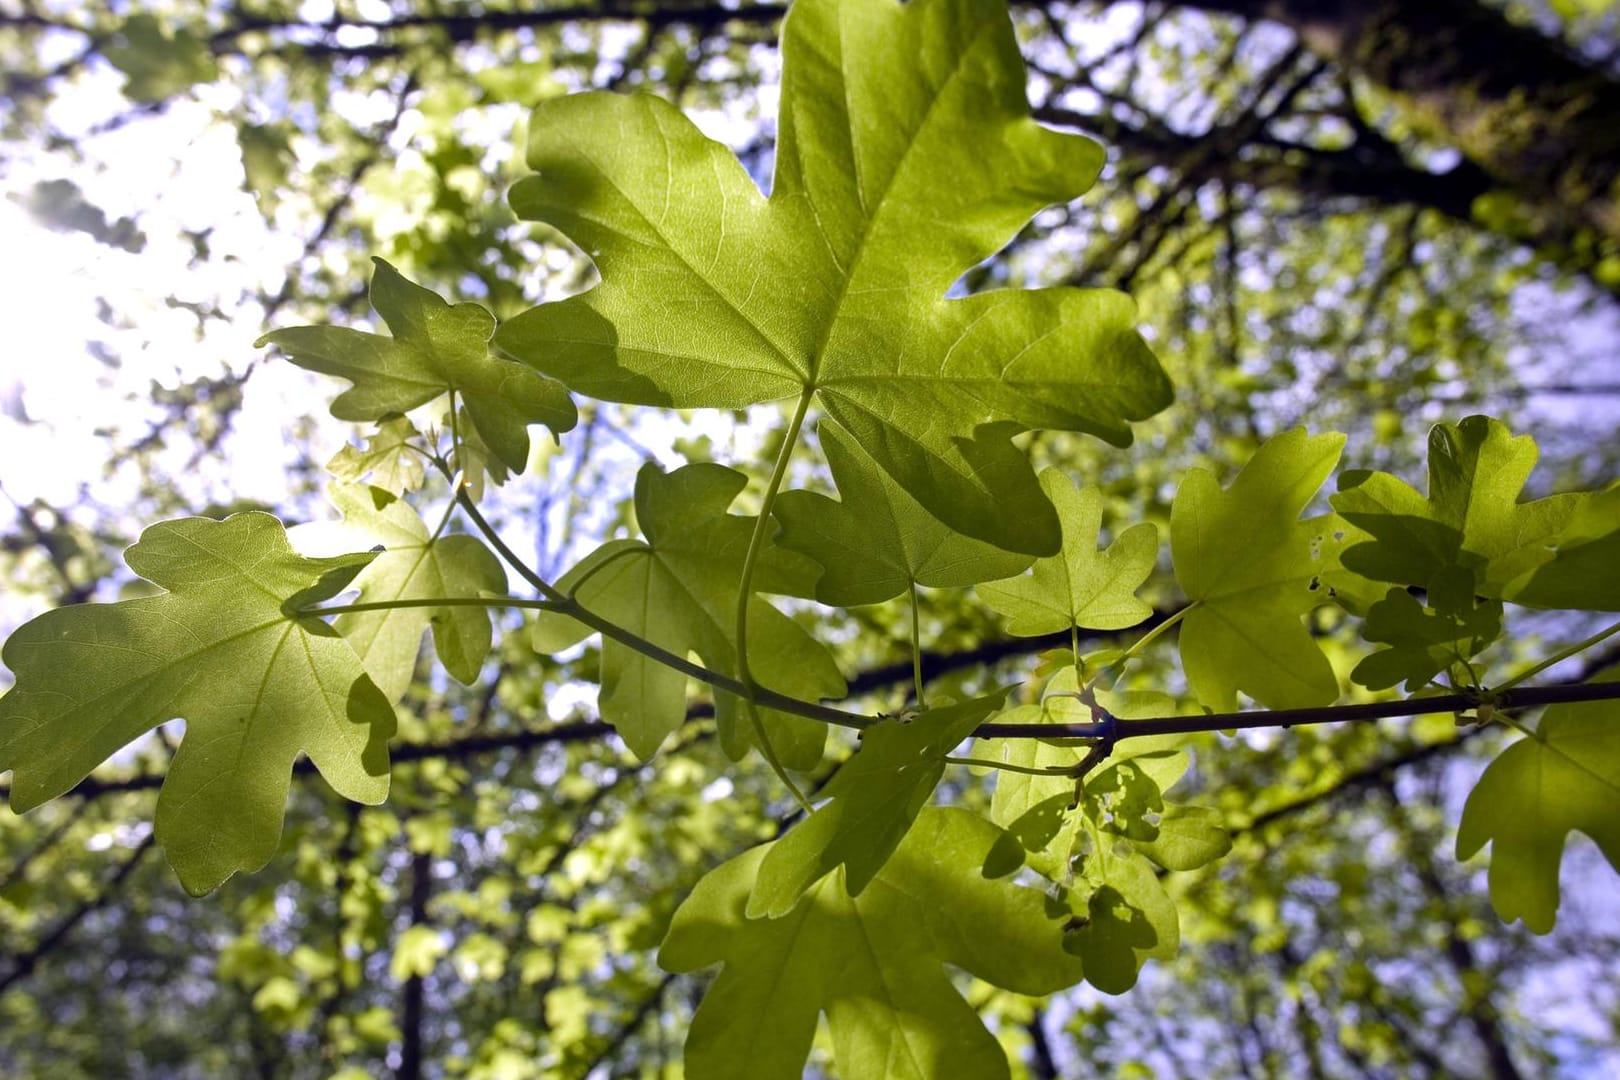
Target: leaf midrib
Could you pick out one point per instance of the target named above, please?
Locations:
(246, 736)
(877, 208)
(899, 1029)
(1260, 647)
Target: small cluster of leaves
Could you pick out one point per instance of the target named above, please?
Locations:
(831, 292)
(1105, 838)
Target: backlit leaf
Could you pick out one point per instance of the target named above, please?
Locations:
(436, 348)
(874, 798)
(874, 964)
(1565, 776)
(1122, 918)
(415, 566)
(875, 541)
(223, 649)
(1080, 586)
(1586, 550)
(1472, 516)
(1123, 796)
(1423, 641)
(906, 155)
(1254, 570)
(678, 589)
(1188, 837)
(390, 458)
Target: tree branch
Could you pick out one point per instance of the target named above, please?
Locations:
(23, 963)
(1518, 698)
(894, 674)
(1526, 110)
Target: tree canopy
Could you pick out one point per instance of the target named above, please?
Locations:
(858, 539)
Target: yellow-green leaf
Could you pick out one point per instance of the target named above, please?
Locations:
(875, 541)
(224, 649)
(1080, 586)
(678, 590)
(906, 155)
(873, 800)
(874, 964)
(436, 348)
(1564, 776)
(1253, 569)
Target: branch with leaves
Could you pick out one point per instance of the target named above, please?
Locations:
(834, 294)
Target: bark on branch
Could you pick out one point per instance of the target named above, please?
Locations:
(1526, 111)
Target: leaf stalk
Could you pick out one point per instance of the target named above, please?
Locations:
(745, 593)
(1141, 643)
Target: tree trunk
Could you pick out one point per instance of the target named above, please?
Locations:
(412, 999)
(1521, 107)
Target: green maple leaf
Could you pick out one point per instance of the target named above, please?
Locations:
(1033, 809)
(1565, 776)
(906, 156)
(875, 541)
(1122, 918)
(1424, 641)
(1580, 575)
(1471, 518)
(1080, 586)
(1126, 797)
(874, 798)
(390, 458)
(874, 964)
(1156, 759)
(436, 348)
(678, 589)
(1252, 570)
(223, 649)
(415, 566)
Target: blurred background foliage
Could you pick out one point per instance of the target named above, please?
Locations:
(1357, 215)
